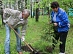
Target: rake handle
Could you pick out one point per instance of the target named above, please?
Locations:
(20, 37)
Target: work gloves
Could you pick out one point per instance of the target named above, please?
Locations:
(23, 38)
(5, 21)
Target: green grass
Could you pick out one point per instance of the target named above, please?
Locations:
(33, 34)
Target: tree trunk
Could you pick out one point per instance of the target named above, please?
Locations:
(25, 4)
(21, 5)
(37, 14)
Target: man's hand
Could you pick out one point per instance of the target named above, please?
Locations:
(23, 38)
(5, 21)
(55, 24)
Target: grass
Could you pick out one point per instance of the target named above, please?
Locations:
(33, 34)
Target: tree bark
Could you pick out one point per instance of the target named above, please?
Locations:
(37, 14)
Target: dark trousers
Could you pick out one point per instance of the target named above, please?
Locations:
(62, 36)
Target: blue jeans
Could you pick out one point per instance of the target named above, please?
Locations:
(7, 40)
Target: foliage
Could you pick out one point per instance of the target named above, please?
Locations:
(48, 32)
(46, 38)
(33, 36)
